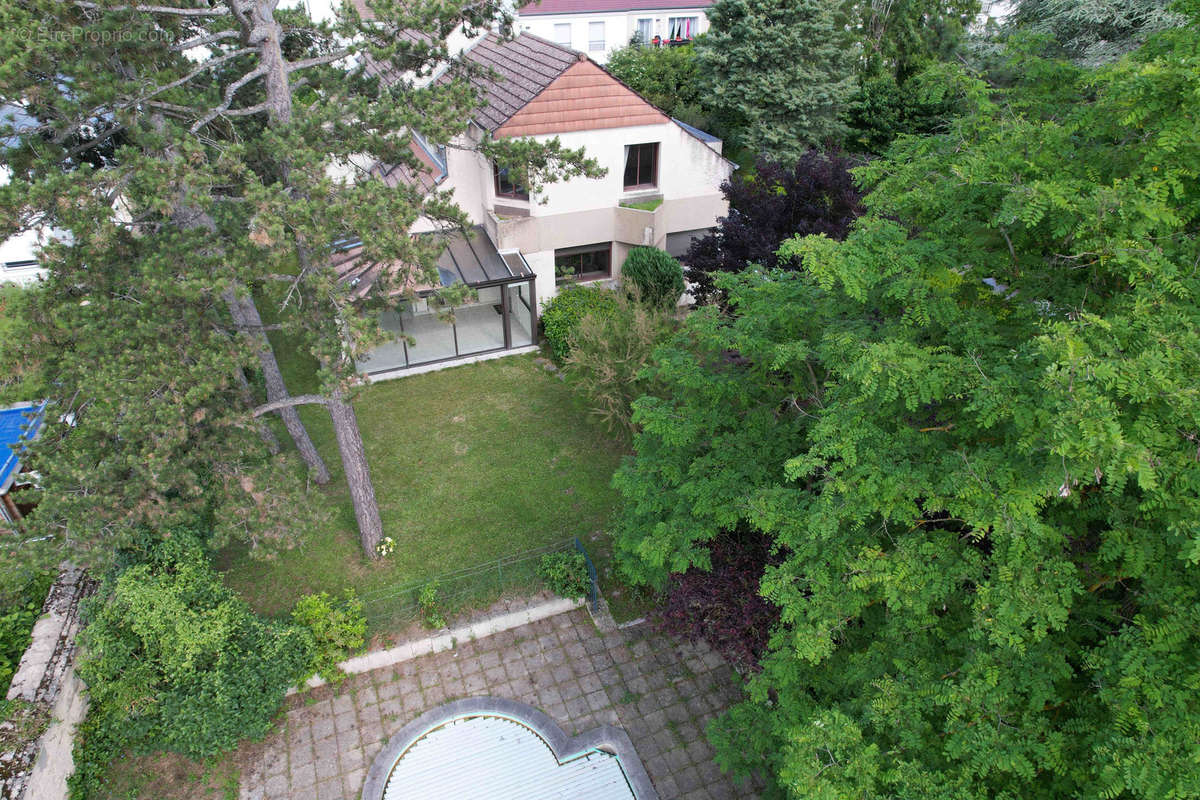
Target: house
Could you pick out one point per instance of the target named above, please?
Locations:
(597, 27)
(662, 189)
(18, 259)
(18, 424)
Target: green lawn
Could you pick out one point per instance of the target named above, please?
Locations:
(470, 464)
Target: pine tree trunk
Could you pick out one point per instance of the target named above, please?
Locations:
(358, 474)
(245, 315)
(261, 29)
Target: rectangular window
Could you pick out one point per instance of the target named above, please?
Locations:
(641, 165)
(562, 34)
(681, 28)
(644, 33)
(595, 36)
(505, 187)
(587, 263)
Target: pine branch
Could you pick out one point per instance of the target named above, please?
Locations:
(148, 9)
(318, 60)
(230, 91)
(289, 402)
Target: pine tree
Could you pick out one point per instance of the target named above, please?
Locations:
(782, 69)
(230, 127)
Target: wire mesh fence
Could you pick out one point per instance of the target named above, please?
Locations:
(433, 602)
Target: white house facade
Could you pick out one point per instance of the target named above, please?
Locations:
(661, 189)
(597, 27)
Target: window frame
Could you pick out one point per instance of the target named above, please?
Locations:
(640, 184)
(649, 32)
(670, 28)
(582, 277)
(518, 192)
(596, 45)
(570, 33)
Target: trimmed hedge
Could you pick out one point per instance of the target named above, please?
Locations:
(657, 276)
(562, 314)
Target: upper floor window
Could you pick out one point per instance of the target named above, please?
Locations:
(682, 27)
(641, 165)
(562, 34)
(644, 31)
(505, 187)
(595, 36)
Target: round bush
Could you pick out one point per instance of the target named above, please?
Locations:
(657, 276)
(562, 314)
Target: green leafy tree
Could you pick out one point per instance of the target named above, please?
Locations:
(666, 76)
(782, 70)
(971, 430)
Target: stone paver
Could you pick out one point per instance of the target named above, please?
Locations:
(662, 693)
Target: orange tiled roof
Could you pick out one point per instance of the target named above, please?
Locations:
(584, 97)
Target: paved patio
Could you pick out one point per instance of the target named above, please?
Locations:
(662, 693)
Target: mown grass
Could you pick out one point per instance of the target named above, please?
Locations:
(470, 464)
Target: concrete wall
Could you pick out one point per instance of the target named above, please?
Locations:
(45, 680)
(619, 27)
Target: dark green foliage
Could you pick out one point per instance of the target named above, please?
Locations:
(781, 69)
(971, 432)
(20, 608)
(173, 660)
(562, 314)
(609, 353)
(338, 628)
(657, 276)
(566, 574)
(882, 109)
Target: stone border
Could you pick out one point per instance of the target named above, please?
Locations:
(45, 678)
(608, 738)
(446, 640)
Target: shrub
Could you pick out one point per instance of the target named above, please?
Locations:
(722, 605)
(565, 573)
(24, 603)
(338, 628)
(563, 313)
(174, 660)
(609, 353)
(816, 194)
(657, 276)
(429, 603)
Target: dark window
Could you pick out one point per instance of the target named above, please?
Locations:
(505, 187)
(641, 165)
(590, 262)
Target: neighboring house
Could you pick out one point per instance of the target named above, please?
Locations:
(523, 248)
(18, 259)
(597, 27)
(18, 424)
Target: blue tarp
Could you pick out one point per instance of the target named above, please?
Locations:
(17, 425)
